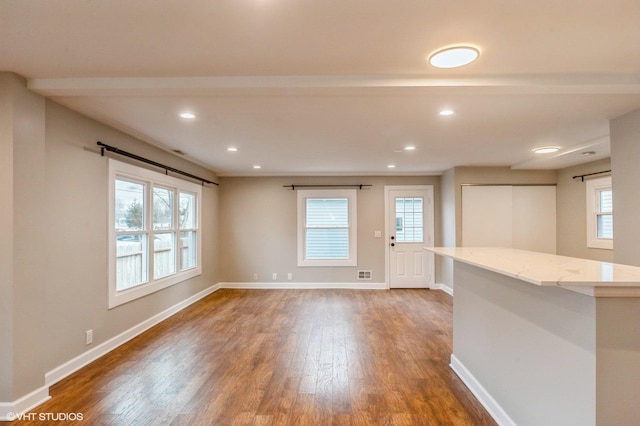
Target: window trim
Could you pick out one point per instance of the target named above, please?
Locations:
(351, 195)
(118, 169)
(593, 187)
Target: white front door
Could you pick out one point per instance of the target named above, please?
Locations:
(409, 229)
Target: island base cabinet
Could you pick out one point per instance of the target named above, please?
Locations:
(542, 355)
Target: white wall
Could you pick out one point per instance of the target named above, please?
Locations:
(518, 216)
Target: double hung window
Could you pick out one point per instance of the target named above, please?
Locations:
(327, 228)
(154, 238)
(600, 213)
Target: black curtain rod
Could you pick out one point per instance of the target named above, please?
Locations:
(590, 174)
(359, 185)
(154, 163)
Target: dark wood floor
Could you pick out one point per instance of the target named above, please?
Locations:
(282, 357)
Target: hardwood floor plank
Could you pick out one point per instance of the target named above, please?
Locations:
(282, 357)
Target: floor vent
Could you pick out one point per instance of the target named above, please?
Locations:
(364, 275)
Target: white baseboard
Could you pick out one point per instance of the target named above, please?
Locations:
(443, 287)
(11, 410)
(91, 355)
(487, 401)
(297, 285)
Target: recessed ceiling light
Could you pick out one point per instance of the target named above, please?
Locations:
(232, 149)
(391, 166)
(446, 112)
(453, 57)
(188, 115)
(409, 148)
(257, 166)
(546, 150)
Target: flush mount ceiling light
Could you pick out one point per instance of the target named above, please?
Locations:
(546, 150)
(391, 166)
(232, 149)
(453, 57)
(257, 166)
(188, 115)
(409, 148)
(446, 112)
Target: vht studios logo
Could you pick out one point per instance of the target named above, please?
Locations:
(52, 417)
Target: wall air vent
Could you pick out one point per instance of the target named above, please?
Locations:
(364, 275)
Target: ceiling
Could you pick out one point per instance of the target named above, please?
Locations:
(337, 87)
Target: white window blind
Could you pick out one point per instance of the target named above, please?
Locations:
(327, 227)
(605, 213)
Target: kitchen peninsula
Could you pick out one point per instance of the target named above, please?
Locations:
(544, 339)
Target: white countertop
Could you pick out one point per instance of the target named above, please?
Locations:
(601, 279)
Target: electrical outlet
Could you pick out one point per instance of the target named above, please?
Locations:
(289, 276)
(274, 276)
(88, 335)
(255, 276)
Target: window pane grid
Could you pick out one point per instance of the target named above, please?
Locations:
(147, 220)
(409, 220)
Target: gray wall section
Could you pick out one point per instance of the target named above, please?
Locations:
(77, 207)
(258, 228)
(625, 166)
(53, 245)
(571, 213)
(22, 148)
(444, 265)
(30, 250)
(7, 237)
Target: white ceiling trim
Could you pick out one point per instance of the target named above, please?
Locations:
(202, 86)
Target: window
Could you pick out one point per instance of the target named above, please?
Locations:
(327, 228)
(154, 237)
(409, 220)
(600, 213)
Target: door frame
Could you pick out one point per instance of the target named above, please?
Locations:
(429, 227)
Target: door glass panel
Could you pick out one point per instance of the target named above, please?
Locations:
(409, 220)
